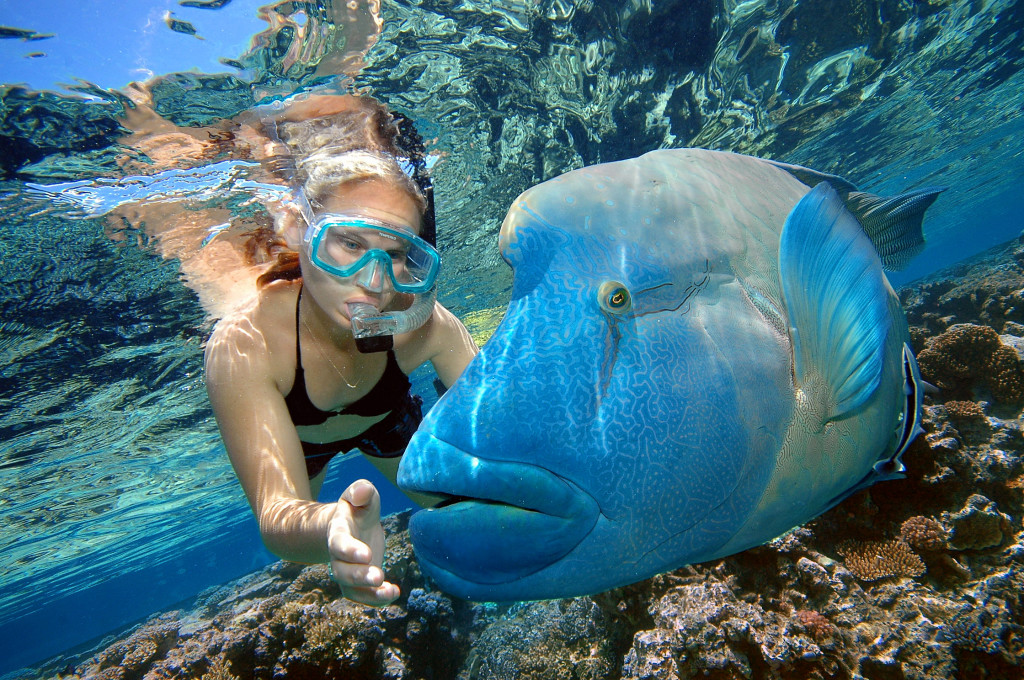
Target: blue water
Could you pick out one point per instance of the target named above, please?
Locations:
(156, 584)
(116, 498)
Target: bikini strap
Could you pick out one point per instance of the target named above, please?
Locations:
(298, 342)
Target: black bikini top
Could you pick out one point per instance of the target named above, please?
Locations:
(389, 391)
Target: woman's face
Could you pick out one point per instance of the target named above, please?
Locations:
(373, 198)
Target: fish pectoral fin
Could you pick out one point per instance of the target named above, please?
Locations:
(894, 223)
(836, 298)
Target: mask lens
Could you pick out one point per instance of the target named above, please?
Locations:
(344, 246)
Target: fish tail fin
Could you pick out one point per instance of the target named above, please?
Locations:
(836, 298)
(894, 223)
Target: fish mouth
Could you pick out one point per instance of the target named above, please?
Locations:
(498, 522)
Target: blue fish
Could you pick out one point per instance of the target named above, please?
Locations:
(701, 352)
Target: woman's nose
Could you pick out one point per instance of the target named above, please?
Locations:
(371, 277)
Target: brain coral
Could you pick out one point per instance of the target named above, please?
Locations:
(873, 560)
(967, 353)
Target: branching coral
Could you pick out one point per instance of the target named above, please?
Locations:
(139, 650)
(543, 640)
(923, 533)
(330, 636)
(873, 560)
(967, 353)
(219, 669)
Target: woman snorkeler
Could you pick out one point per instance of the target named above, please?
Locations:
(318, 364)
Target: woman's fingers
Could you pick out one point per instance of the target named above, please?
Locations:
(356, 545)
(364, 583)
(375, 597)
(344, 547)
(357, 575)
(365, 502)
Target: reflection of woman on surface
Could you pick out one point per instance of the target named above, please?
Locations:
(289, 387)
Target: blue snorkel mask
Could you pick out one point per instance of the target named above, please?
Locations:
(373, 252)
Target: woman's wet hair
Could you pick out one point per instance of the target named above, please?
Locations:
(362, 143)
(323, 172)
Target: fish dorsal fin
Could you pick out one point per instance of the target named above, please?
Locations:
(893, 223)
(836, 298)
(813, 178)
(891, 466)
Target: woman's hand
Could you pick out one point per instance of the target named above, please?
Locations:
(355, 541)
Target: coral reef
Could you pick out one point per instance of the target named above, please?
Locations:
(916, 579)
(873, 560)
(553, 640)
(986, 290)
(964, 411)
(816, 624)
(978, 525)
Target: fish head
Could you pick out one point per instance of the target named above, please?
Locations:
(575, 450)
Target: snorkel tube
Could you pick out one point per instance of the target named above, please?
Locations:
(374, 330)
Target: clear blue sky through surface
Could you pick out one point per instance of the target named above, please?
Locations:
(110, 43)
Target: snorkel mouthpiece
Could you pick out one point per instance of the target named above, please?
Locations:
(374, 330)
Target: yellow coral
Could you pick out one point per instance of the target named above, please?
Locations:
(873, 560)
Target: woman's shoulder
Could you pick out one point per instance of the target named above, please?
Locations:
(442, 333)
(260, 330)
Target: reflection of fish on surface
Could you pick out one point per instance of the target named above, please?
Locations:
(701, 352)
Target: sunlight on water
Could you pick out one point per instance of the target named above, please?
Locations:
(113, 199)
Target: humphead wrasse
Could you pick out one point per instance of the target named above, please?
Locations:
(701, 352)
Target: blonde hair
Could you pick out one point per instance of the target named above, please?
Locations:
(322, 172)
(355, 145)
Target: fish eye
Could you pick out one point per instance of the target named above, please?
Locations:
(614, 298)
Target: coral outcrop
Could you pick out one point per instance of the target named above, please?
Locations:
(916, 579)
(967, 356)
(873, 560)
(923, 533)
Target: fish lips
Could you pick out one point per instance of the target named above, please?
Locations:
(502, 520)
